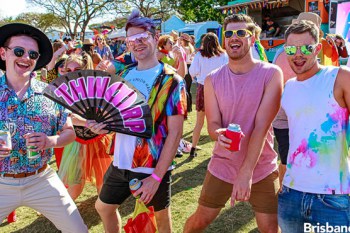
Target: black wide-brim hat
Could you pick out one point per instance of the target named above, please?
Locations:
(44, 44)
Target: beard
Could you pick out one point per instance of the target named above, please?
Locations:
(238, 56)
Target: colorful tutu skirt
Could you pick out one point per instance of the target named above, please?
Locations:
(86, 160)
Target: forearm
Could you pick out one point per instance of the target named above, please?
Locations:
(277, 32)
(168, 153)
(182, 69)
(255, 147)
(65, 137)
(51, 65)
(213, 130)
(342, 51)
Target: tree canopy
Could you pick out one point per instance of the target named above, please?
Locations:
(76, 14)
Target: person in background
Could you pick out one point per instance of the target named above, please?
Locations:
(66, 40)
(84, 160)
(280, 123)
(121, 47)
(258, 50)
(175, 35)
(165, 47)
(193, 40)
(264, 25)
(186, 45)
(341, 47)
(174, 55)
(113, 45)
(36, 125)
(88, 47)
(59, 50)
(209, 58)
(171, 54)
(102, 48)
(272, 29)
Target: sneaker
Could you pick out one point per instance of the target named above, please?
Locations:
(178, 154)
(193, 152)
(185, 146)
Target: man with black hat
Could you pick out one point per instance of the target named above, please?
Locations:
(31, 123)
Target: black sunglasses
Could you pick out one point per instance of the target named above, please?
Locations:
(19, 52)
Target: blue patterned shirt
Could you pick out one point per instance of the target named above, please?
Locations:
(34, 113)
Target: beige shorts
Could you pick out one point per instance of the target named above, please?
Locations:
(263, 198)
(45, 193)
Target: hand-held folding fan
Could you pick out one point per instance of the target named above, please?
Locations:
(100, 96)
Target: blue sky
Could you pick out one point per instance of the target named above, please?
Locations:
(14, 8)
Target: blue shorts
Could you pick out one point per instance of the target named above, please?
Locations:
(309, 212)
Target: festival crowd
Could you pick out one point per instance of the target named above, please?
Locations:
(302, 100)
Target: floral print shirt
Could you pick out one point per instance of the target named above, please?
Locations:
(33, 113)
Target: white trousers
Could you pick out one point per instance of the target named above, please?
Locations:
(45, 193)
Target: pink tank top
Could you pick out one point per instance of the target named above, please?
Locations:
(239, 98)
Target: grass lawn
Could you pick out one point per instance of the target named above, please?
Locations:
(186, 186)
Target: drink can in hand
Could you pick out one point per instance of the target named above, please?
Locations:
(6, 136)
(234, 133)
(32, 154)
(134, 185)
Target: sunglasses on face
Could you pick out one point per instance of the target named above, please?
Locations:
(241, 33)
(304, 49)
(19, 52)
(141, 37)
(170, 42)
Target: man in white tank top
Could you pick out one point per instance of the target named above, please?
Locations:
(246, 92)
(316, 186)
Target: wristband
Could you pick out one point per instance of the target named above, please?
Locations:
(157, 178)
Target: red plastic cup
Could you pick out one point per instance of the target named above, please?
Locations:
(234, 133)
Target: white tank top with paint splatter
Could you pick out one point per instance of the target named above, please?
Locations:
(318, 160)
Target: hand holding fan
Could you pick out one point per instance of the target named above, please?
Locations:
(100, 96)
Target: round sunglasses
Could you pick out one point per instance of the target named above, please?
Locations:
(242, 33)
(19, 52)
(304, 49)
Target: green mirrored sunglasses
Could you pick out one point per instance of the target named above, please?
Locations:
(304, 49)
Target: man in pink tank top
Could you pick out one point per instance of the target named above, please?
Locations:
(246, 92)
